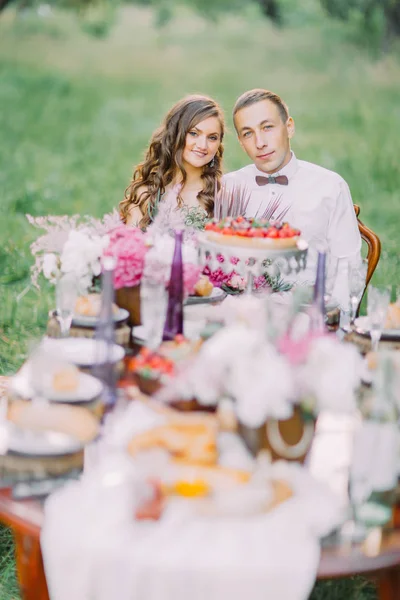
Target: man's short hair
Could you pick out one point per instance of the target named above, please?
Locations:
(258, 95)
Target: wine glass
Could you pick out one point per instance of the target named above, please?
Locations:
(66, 295)
(377, 306)
(357, 274)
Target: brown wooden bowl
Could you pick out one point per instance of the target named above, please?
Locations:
(192, 406)
(150, 387)
(290, 439)
(147, 385)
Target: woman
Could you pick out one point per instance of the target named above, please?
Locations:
(182, 166)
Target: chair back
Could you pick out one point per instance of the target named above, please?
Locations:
(373, 243)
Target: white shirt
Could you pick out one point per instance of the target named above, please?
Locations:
(319, 204)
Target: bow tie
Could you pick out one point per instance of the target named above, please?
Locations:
(281, 179)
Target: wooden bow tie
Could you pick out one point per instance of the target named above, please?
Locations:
(281, 179)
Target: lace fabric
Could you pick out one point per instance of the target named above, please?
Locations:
(170, 216)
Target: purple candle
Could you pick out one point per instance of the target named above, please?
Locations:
(174, 320)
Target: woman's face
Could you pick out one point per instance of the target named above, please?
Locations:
(202, 142)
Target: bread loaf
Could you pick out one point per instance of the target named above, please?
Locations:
(72, 420)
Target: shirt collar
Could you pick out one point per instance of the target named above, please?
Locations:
(289, 170)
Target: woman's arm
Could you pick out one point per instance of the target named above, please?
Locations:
(135, 214)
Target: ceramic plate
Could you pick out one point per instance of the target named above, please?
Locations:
(84, 352)
(362, 327)
(84, 321)
(216, 296)
(88, 389)
(40, 443)
(191, 330)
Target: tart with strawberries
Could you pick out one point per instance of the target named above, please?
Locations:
(150, 370)
(252, 233)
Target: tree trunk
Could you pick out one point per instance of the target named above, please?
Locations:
(3, 4)
(391, 11)
(270, 8)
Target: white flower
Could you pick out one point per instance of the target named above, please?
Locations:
(164, 245)
(50, 266)
(237, 282)
(239, 363)
(244, 309)
(81, 255)
(331, 374)
(262, 385)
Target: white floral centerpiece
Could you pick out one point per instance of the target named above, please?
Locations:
(71, 245)
(75, 246)
(270, 381)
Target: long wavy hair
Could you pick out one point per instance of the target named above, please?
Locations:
(163, 160)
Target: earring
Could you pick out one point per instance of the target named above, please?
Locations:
(212, 163)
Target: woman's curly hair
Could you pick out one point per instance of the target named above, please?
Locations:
(163, 159)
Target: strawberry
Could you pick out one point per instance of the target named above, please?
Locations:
(255, 233)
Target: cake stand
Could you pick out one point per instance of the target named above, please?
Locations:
(251, 262)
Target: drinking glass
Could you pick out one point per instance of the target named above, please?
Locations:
(377, 306)
(66, 295)
(153, 310)
(41, 360)
(357, 278)
(331, 270)
(373, 471)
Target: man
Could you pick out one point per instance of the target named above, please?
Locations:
(313, 199)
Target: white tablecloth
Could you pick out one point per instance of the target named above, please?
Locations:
(94, 550)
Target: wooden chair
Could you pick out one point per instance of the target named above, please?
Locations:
(373, 243)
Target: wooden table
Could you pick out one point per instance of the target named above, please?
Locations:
(378, 558)
(25, 518)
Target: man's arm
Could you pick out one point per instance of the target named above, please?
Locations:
(344, 240)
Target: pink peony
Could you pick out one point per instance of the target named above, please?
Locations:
(260, 282)
(127, 245)
(191, 274)
(296, 351)
(217, 277)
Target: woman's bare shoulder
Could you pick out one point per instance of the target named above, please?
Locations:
(141, 189)
(134, 215)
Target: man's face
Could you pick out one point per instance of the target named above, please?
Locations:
(264, 136)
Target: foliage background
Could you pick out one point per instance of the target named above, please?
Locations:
(81, 92)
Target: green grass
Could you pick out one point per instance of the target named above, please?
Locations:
(76, 113)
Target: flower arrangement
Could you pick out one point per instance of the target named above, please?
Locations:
(238, 363)
(76, 245)
(139, 255)
(267, 380)
(328, 374)
(70, 244)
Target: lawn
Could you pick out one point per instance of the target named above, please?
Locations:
(76, 113)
